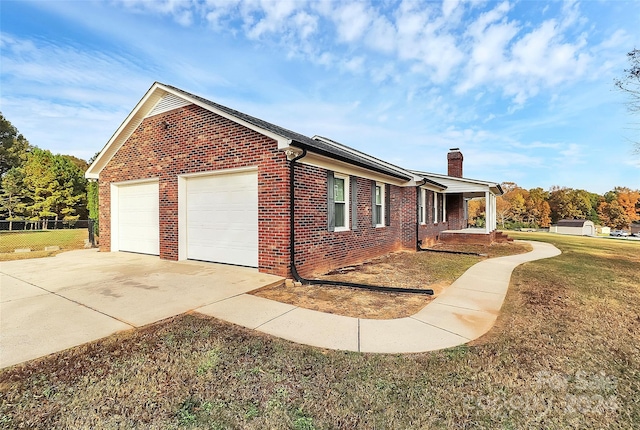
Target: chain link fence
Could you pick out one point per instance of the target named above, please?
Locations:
(21, 237)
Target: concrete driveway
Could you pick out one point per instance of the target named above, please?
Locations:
(50, 304)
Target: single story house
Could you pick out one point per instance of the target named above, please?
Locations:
(576, 227)
(186, 178)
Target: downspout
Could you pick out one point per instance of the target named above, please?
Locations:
(418, 195)
(292, 199)
(294, 270)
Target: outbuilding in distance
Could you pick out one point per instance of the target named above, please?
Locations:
(576, 227)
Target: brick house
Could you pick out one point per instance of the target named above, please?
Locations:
(187, 178)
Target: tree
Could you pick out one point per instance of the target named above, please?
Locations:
(55, 186)
(620, 207)
(613, 215)
(538, 208)
(567, 203)
(476, 212)
(13, 146)
(503, 208)
(629, 200)
(12, 195)
(40, 184)
(630, 84)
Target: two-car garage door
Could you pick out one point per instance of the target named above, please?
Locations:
(220, 214)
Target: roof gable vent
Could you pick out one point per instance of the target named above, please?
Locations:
(167, 103)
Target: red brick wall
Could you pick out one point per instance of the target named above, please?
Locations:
(455, 212)
(429, 232)
(199, 141)
(319, 250)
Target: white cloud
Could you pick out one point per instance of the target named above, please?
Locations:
(351, 21)
(568, 154)
(448, 6)
(523, 60)
(382, 35)
(354, 65)
(420, 39)
(275, 16)
(180, 10)
(306, 24)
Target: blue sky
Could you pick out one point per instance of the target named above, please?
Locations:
(524, 88)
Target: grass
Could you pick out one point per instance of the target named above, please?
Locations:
(565, 353)
(66, 239)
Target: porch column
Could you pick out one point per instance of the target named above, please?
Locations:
(494, 226)
(489, 212)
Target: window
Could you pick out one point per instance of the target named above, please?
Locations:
(380, 215)
(338, 201)
(339, 195)
(378, 208)
(428, 203)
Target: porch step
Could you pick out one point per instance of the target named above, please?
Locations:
(502, 237)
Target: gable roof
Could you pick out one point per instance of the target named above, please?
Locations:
(283, 136)
(454, 184)
(572, 222)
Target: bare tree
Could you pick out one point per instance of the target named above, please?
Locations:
(630, 85)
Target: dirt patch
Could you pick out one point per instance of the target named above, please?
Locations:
(493, 250)
(405, 269)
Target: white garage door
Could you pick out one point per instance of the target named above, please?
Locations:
(138, 219)
(222, 218)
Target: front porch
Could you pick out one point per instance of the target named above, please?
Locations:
(478, 236)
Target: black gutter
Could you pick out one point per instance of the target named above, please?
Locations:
(351, 160)
(294, 270)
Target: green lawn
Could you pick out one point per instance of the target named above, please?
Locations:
(565, 353)
(37, 240)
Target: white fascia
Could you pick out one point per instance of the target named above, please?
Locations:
(327, 163)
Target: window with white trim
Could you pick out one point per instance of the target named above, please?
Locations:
(379, 209)
(338, 193)
(340, 202)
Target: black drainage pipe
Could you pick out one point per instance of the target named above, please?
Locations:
(294, 270)
(446, 251)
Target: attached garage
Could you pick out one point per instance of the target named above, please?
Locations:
(135, 217)
(219, 217)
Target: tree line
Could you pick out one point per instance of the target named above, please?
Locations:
(37, 185)
(538, 208)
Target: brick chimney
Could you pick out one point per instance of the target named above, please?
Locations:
(454, 163)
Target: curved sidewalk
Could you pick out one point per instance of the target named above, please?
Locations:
(464, 311)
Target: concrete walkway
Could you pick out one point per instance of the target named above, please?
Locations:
(464, 311)
(50, 304)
